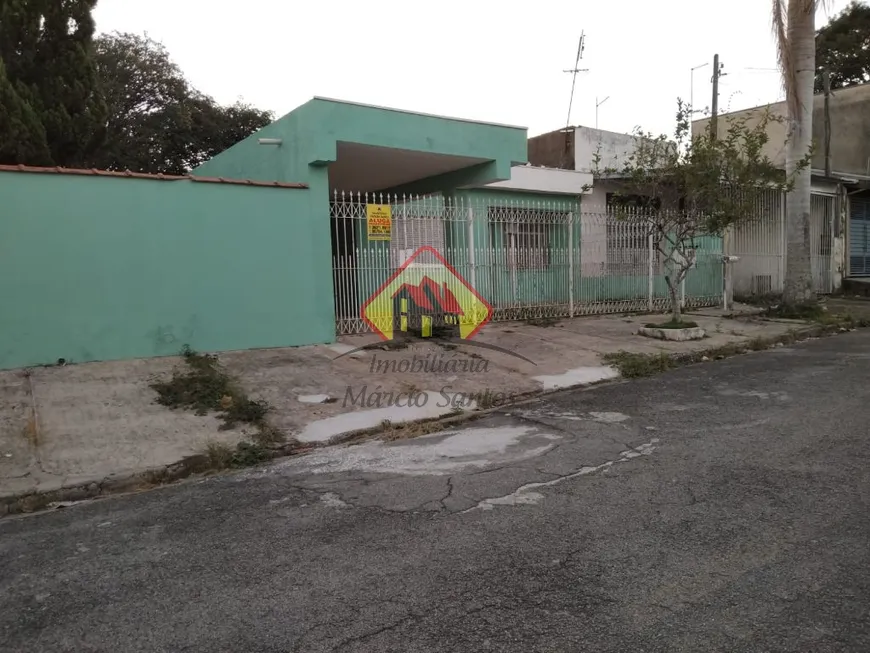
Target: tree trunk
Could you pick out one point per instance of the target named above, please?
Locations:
(673, 293)
(798, 285)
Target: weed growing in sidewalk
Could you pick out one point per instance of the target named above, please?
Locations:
(812, 312)
(816, 314)
(633, 366)
(204, 386)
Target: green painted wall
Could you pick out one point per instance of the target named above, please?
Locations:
(310, 135)
(97, 268)
(502, 287)
(493, 276)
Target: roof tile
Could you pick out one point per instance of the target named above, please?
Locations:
(142, 175)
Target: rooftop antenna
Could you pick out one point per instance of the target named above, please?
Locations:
(576, 69)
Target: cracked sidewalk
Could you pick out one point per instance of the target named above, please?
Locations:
(82, 425)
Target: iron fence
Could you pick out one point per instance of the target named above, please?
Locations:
(759, 244)
(527, 258)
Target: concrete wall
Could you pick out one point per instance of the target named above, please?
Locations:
(553, 150)
(536, 180)
(99, 268)
(494, 278)
(850, 130)
(612, 147)
(576, 149)
(311, 133)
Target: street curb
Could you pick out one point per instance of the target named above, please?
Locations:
(198, 464)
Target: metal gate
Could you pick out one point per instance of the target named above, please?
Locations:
(822, 208)
(859, 237)
(528, 258)
(760, 244)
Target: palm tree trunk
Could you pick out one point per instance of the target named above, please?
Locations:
(798, 285)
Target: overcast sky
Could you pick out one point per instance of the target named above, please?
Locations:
(478, 59)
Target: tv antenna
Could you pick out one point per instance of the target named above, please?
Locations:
(576, 69)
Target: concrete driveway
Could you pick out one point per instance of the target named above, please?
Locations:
(719, 507)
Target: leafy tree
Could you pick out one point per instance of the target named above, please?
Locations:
(46, 47)
(695, 186)
(843, 47)
(22, 136)
(157, 122)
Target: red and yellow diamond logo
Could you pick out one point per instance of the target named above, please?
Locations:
(424, 295)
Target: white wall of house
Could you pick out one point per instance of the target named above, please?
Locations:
(535, 179)
(613, 148)
(593, 245)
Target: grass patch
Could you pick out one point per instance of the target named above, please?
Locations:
(204, 387)
(811, 312)
(816, 313)
(765, 301)
(633, 366)
(245, 454)
(758, 344)
(249, 453)
(409, 430)
(219, 455)
(671, 324)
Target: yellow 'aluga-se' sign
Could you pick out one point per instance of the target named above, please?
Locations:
(379, 220)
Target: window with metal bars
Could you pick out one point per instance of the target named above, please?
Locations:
(525, 235)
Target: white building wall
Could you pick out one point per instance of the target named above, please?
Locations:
(546, 180)
(613, 148)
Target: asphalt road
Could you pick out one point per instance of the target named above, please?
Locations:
(720, 507)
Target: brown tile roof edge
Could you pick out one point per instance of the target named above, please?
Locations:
(142, 175)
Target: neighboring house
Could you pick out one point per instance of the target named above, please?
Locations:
(587, 150)
(602, 154)
(850, 130)
(840, 229)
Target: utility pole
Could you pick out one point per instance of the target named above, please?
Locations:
(826, 81)
(714, 119)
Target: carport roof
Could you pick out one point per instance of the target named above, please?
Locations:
(307, 142)
(417, 113)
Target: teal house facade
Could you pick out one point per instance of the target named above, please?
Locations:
(269, 243)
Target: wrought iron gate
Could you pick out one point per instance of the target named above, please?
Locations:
(527, 258)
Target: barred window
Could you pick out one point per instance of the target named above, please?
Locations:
(528, 246)
(525, 234)
(628, 249)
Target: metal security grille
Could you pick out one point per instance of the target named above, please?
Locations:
(528, 259)
(759, 242)
(859, 237)
(822, 242)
